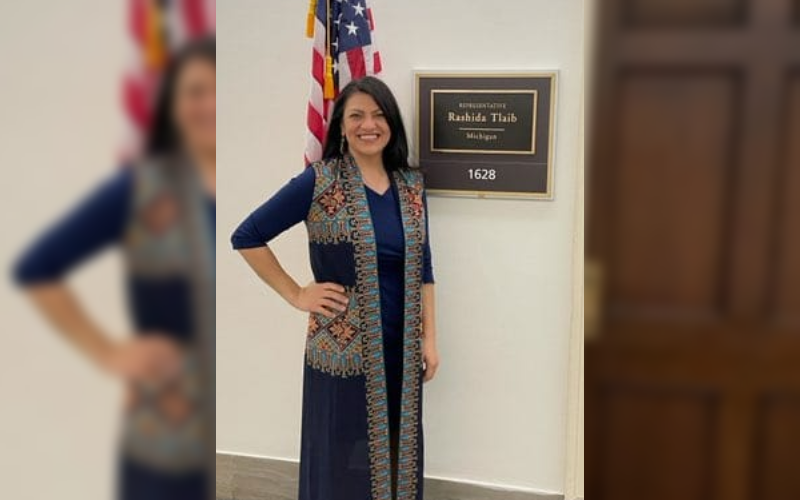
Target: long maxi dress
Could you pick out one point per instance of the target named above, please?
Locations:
(340, 459)
(157, 304)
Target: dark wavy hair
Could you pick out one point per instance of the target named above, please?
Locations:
(164, 137)
(395, 154)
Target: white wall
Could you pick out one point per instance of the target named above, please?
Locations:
(497, 412)
(59, 126)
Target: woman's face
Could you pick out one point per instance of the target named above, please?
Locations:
(365, 126)
(195, 108)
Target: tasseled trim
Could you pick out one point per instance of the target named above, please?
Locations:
(330, 89)
(340, 365)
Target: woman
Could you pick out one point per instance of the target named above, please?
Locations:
(161, 212)
(371, 338)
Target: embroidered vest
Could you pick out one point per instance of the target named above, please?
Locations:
(168, 241)
(343, 250)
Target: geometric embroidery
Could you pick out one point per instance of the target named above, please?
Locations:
(327, 221)
(342, 331)
(334, 344)
(352, 342)
(412, 211)
(342, 328)
(164, 424)
(413, 198)
(332, 200)
(369, 303)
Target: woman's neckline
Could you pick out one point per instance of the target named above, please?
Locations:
(380, 195)
(367, 186)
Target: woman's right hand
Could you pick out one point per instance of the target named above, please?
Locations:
(323, 298)
(145, 358)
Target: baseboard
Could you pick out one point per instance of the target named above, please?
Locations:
(255, 478)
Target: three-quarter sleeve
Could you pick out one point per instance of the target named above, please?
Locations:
(97, 222)
(288, 207)
(427, 259)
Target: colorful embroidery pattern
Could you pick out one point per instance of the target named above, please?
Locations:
(327, 221)
(352, 343)
(332, 199)
(165, 426)
(334, 344)
(156, 234)
(368, 291)
(412, 211)
(412, 196)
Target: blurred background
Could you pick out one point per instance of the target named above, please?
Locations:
(61, 129)
(693, 251)
(65, 126)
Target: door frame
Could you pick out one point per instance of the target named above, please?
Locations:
(574, 487)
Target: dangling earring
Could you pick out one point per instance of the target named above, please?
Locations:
(343, 145)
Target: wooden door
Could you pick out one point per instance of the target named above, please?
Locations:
(693, 387)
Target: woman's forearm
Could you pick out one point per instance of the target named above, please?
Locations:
(63, 309)
(429, 311)
(263, 261)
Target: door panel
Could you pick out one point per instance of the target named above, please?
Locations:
(648, 13)
(636, 455)
(675, 172)
(787, 272)
(693, 387)
(777, 477)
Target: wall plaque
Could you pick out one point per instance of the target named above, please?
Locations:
(486, 134)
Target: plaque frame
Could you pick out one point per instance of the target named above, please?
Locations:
(535, 94)
(542, 156)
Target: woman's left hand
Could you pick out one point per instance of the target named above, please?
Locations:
(430, 358)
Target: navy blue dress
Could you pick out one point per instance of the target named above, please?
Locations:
(99, 222)
(288, 207)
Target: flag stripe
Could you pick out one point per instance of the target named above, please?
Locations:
(353, 49)
(194, 11)
(355, 59)
(183, 20)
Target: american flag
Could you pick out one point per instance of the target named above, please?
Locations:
(157, 28)
(344, 50)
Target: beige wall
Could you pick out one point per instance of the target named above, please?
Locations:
(59, 125)
(497, 413)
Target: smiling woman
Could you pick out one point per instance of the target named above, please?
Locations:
(371, 337)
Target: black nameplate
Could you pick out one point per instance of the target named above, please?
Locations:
(486, 135)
